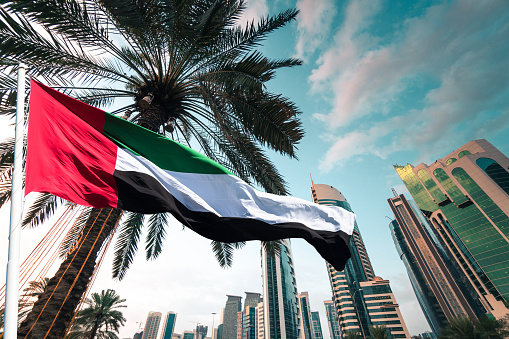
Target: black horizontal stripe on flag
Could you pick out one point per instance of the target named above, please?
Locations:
(142, 193)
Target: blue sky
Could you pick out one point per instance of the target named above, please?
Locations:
(383, 82)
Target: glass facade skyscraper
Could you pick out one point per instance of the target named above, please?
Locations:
(281, 305)
(306, 323)
(440, 297)
(317, 326)
(332, 319)
(169, 325)
(465, 195)
(353, 312)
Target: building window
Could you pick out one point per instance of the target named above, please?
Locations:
(463, 153)
(496, 172)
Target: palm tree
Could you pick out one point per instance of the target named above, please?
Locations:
(30, 295)
(100, 319)
(463, 327)
(351, 334)
(380, 332)
(190, 72)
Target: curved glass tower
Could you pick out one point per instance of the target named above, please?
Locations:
(465, 196)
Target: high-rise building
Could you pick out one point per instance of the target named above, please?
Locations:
(201, 331)
(347, 286)
(239, 324)
(247, 319)
(233, 305)
(332, 319)
(152, 325)
(306, 323)
(440, 297)
(169, 325)
(252, 299)
(259, 315)
(219, 333)
(317, 326)
(466, 197)
(382, 308)
(281, 305)
(187, 335)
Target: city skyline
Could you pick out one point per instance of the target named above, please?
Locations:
(383, 83)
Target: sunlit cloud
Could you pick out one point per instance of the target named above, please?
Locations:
(254, 11)
(461, 46)
(313, 25)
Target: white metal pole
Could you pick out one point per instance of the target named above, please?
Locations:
(12, 283)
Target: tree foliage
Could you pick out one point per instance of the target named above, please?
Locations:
(100, 318)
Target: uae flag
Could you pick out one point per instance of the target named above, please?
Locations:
(93, 158)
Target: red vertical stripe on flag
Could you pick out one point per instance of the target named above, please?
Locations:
(67, 153)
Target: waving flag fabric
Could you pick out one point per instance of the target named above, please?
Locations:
(93, 158)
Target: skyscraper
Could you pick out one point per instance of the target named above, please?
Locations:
(201, 331)
(332, 319)
(259, 314)
(281, 306)
(247, 319)
(233, 305)
(306, 323)
(382, 308)
(317, 326)
(466, 197)
(152, 325)
(439, 295)
(169, 325)
(350, 286)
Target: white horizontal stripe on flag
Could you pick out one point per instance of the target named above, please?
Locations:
(229, 196)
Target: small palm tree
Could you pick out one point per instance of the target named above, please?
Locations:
(31, 295)
(101, 318)
(351, 334)
(380, 332)
(463, 327)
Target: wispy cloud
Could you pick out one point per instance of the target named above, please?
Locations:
(313, 25)
(461, 46)
(254, 11)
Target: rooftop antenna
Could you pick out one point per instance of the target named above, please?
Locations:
(394, 192)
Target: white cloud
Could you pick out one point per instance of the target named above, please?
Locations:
(255, 10)
(462, 46)
(313, 25)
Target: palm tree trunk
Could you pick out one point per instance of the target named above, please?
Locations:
(93, 332)
(50, 319)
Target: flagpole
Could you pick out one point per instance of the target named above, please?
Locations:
(12, 283)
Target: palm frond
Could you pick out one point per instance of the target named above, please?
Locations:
(127, 243)
(223, 253)
(74, 234)
(156, 234)
(43, 208)
(273, 248)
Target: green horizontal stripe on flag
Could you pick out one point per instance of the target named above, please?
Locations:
(161, 151)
